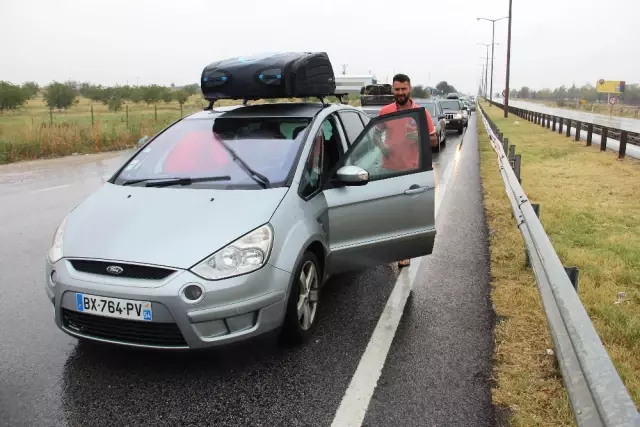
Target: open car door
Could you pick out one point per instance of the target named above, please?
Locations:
(382, 209)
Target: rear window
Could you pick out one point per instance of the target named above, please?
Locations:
(429, 107)
(192, 149)
(450, 105)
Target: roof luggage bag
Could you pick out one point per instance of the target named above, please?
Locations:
(280, 75)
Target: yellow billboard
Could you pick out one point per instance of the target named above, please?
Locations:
(609, 86)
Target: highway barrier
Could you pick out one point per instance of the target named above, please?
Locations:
(565, 124)
(596, 392)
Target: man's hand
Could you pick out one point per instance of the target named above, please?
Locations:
(433, 139)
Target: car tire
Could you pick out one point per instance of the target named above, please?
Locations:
(296, 328)
(460, 130)
(444, 138)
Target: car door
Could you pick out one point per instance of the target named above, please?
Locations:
(392, 216)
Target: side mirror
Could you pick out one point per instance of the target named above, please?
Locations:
(143, 141)
(352, 175)
(442, 116)
(465, 108)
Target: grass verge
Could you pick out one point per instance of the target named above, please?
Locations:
(591, 212)
(33, 132)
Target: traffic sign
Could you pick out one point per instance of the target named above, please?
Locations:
(504, 93)
(613, 100)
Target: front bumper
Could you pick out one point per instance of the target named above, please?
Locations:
(455, 123)
(232, 309)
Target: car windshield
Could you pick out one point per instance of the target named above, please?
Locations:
(191, 148)
(429, 107)
(450, 105)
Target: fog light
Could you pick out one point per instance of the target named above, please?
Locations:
(53, 277)
(192, 293)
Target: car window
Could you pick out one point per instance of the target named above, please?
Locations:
(192, 148)
(326, 151)
(312, 173)
(365, 118)
(450, 104)
(405, 154)
(430, 107)
(352, 125)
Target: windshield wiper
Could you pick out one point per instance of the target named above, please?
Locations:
(256, 176)
(163, 182)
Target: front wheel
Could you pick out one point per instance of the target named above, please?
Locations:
(302, 309)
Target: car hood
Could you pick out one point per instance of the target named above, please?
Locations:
(174, 227)
(446, 110)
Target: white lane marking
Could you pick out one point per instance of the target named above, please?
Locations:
(50, 188)
(355, 402)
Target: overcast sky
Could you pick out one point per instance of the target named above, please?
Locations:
(554, 42)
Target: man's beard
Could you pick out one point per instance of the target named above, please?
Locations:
(402, 99)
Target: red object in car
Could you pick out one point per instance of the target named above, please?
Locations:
(197, 152)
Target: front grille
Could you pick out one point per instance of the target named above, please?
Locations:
(449, 116)
(126, 331)
(132, 271)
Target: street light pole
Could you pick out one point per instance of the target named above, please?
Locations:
(493, 37)
(486, 70)
(507, 94)
(493, 21)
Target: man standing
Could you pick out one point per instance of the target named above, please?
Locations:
(400, 148)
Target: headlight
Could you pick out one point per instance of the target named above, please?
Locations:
(247, 254)
(55, 253)
(458, 116)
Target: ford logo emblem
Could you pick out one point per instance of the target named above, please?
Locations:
(115, 269)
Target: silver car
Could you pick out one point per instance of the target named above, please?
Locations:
(226, 224)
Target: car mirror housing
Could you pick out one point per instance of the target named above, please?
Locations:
(352, 175)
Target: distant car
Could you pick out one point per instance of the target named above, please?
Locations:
(456, 114)
(471, 105)
(438, 117)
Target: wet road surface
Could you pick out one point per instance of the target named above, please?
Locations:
(48, 379)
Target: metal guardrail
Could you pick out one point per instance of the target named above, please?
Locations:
(550, 120)
(597, 395)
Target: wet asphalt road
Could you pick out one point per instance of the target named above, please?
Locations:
(436, 373)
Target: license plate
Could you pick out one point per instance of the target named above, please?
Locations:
(114, 307)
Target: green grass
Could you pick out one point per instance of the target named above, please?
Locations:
(32, 133)
(591, 212)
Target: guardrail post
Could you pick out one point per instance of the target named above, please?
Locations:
(623, 144)
(603, 138)
(578, 129)
(573, 274)
(505, 145)
(568, 128)
(560, 124)
(500, 136)
(538, 118)
(544, 120)
(589, 134)
(512, 152)
(548, 122)
(517, 163)
(536, 209)
(553, 128)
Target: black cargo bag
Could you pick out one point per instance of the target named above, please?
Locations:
(280, 75)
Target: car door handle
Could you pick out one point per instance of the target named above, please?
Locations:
(415, 189)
